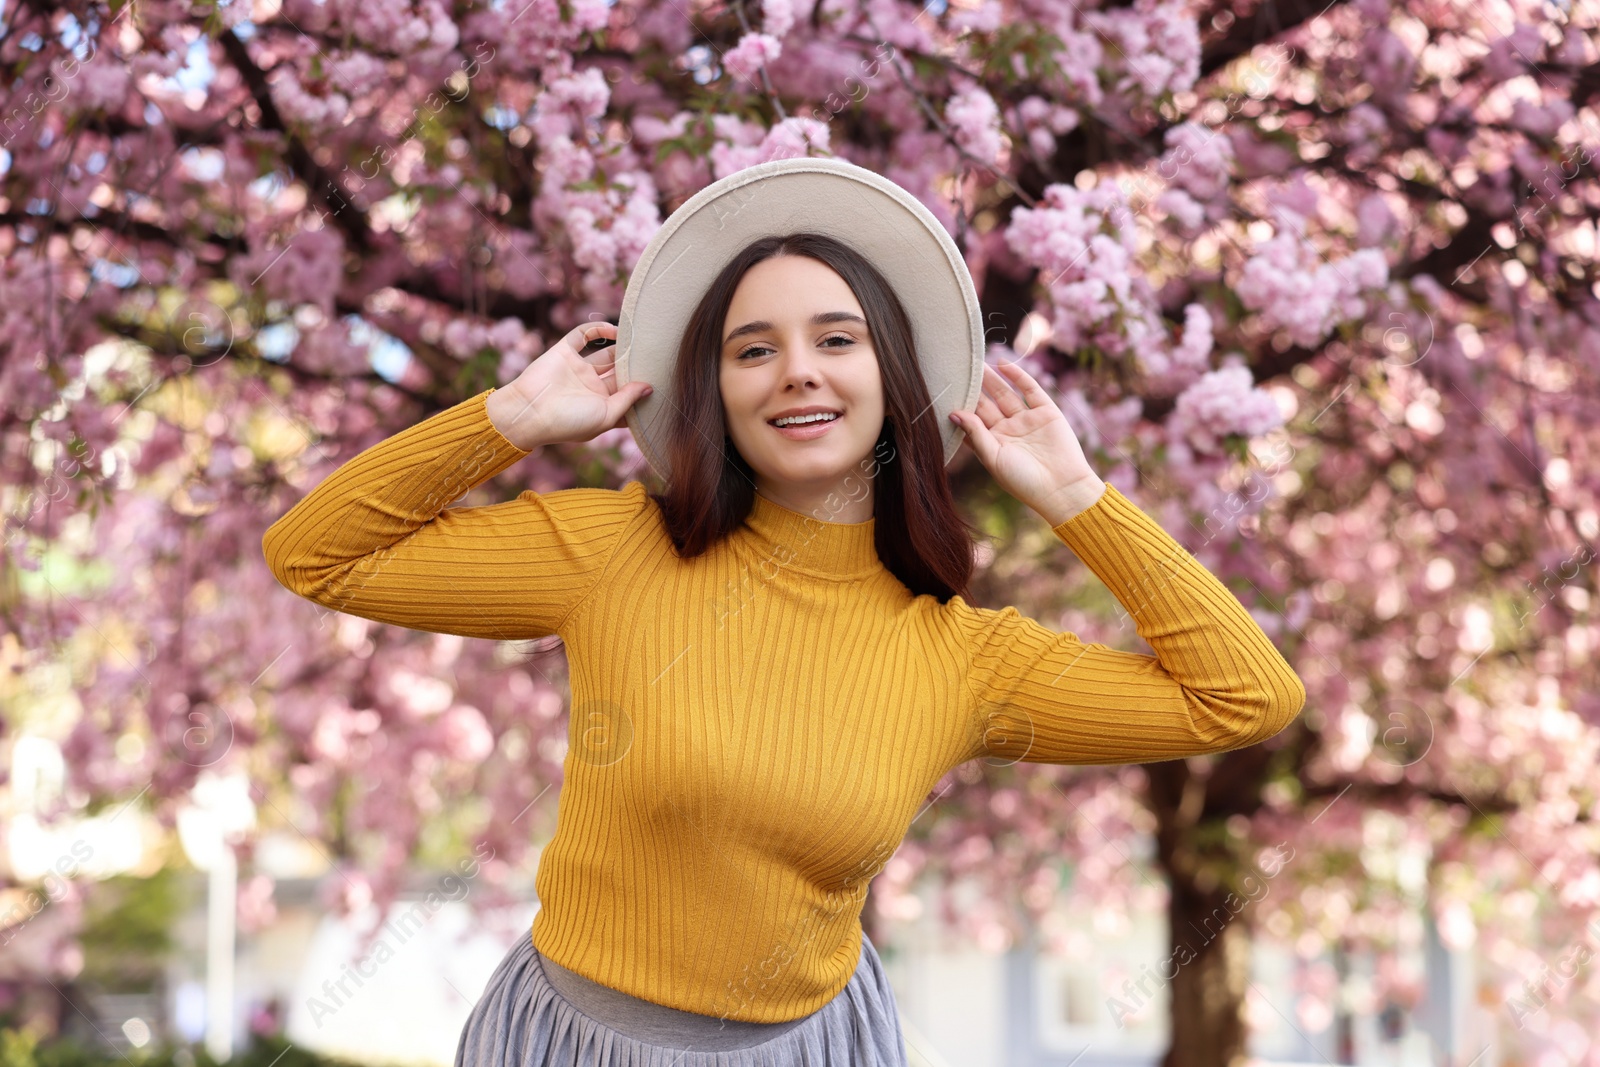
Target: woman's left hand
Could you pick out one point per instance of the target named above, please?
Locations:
(1028, 445)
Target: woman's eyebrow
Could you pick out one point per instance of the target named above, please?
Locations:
(821, 318)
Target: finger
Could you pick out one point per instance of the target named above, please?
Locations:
(1005, 397)
(602, 361)
(1033, 393)
(607, 374)
(987, 410)
(623, 399)
(979, 439)
(581, 335)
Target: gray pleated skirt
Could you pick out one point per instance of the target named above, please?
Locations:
(524, 1020)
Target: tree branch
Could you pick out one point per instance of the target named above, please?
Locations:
(350, 219)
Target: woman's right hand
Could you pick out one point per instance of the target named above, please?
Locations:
(564, 396)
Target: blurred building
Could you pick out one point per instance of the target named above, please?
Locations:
(959, 1005)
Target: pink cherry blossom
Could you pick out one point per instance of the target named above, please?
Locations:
(1222, 402)
(976, 122)
(753, 51)
(776, 17)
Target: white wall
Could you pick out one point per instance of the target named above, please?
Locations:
(417, 984)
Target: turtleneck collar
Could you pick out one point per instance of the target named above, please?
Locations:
(841, 550)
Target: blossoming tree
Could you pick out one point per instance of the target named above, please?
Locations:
(1317, 283)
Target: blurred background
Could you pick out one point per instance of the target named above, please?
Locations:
(1315, 283)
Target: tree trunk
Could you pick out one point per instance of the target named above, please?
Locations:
(1210, 953)
(1207, 968)
(1344, 1023)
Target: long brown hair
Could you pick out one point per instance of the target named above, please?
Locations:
(919, 536)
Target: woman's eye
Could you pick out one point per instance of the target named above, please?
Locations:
(753, 349)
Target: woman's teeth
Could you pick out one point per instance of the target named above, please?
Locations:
(801, 420)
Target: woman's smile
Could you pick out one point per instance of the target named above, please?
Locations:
(807, 431)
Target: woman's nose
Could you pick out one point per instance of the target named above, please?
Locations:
(797, 362)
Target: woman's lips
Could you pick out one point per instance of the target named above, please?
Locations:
(809, 430)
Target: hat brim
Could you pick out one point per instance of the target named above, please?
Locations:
(866, 211)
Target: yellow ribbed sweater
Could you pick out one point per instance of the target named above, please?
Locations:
(752, 731)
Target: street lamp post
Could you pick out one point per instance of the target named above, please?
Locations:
(221, 811)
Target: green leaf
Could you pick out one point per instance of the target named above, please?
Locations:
(480, 371)
(1037, 50)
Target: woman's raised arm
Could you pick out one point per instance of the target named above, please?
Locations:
(1216, 682)
(376, 539)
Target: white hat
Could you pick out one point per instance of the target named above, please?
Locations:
(871, 214)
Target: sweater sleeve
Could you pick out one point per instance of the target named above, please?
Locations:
(1216, 682)
(375, 538)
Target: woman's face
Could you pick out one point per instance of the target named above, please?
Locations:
(777, 356)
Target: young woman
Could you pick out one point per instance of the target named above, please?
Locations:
(773, 662)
